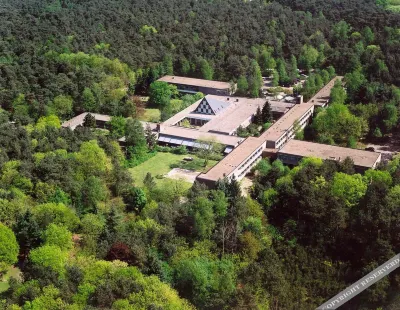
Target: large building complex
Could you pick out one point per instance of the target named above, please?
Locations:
(247, 154)
(215, 118)
(190, 85)
(321, 98)
(218, 118)
(296, 150)
(237, 164)
(101, 120)
(278, 142)
(284, 129)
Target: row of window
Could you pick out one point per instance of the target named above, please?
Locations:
(290, 158)
(187, 87)
(245, 171)
(290, 134)
(256, 154)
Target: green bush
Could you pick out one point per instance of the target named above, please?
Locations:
(180, 150)
(163, 149)
(136, 161)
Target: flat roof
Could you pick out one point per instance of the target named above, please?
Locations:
(78, 120)
(237, 111)
(322, 97)
(230, 162)
(235, 114)
(194, 134)
(286, 121)
(194, 82)
(309, 149)
(153, 126)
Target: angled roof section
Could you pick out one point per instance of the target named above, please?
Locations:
(211, 106)
(217, 105)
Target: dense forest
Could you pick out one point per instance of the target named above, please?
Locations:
(85, 233)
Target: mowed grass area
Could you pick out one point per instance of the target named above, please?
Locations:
(161, 163)
(151, 115)
(12, 272)
(196, 165)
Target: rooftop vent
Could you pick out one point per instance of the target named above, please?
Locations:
(237, 100)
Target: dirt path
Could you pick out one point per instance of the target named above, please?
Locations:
(245, 185)
(186, 175)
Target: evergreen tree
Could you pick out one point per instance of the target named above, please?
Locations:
(207, 72)
(149, 181)
(89, 121)
(377, 133)
(151, 138)
(266, 113)
(242, 86)
(89, 101)
(234, 190)
(255, 79)
(222, 185)
(266, 62)
(108, 235)
(185, 66)
(27, 232)
(135, 199)
(281, 69)
(293, 69)
(167, 65)
(134, 135)
(347, 166)
(275, 78)
(368, 35)
(258, 117)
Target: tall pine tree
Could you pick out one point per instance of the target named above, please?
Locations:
(266, 113)
(258, 117)
(255, 79)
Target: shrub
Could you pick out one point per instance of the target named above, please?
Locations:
(181, 150)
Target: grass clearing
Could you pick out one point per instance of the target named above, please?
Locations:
(151, 115)
(197, 164)
(162, 163)
(12, 272)
(157, 165)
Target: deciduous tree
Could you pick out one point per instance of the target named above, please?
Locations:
(8, 248)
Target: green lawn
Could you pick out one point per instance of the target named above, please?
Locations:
(12, 272)
(161, 163)
(151, 115)
(196, 165)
